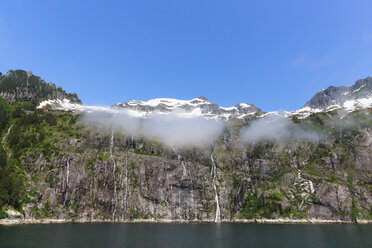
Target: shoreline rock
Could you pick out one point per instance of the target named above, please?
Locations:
(257, 221)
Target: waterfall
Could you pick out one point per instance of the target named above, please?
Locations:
(214, 174)
(192, 188)
(179, 203)
(67, 179)
(306, 186)
(113, 172)
(125, 192)
(179, 189)
(186, 172)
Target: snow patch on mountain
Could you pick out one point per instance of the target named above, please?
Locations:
(169, 102)
(200, 106)
(357, 103)
(348, 99)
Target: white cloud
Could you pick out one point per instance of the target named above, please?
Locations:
(275, 128)
(172, 129)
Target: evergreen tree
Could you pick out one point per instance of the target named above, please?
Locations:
(3, 117)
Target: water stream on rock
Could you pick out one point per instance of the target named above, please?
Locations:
(192, 187)
(67, 179)
(186, 172)
(214, 174)
(114, 175)
(306, 186)
(125, 192)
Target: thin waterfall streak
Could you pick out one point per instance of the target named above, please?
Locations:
(121, 182)
(113, 172)
(214, 173)
(192, 188)
(179, 203)
(186, 172)
(67, 180)
(125, 193)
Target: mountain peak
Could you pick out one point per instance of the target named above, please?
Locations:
(199, 106)
(19, 85)
(203, 98)
(332, 96)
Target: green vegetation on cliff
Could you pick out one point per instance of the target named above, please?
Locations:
(53, 166)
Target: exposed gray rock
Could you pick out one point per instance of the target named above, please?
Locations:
(337, 95)
(206, 107)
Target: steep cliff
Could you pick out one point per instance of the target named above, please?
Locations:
(65, 169)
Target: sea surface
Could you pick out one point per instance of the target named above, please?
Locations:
(186, 235)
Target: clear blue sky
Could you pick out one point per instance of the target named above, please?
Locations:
(274, 54)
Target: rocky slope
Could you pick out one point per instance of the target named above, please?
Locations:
(19, 85)
(356, 96)
(342, 99)
(198, 106)
(72, 171)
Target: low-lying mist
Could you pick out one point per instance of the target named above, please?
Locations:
(357, 119)
(181, 129)
(173, 129)
(275, 128)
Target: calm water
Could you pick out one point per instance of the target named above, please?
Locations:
(185, 235)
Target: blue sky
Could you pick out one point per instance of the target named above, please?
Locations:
(274, 54)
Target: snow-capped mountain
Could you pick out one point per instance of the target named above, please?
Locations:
(347, 99)
(200, 106)
(357, 96)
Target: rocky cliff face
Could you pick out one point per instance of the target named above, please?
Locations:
(75, 171)
(358, 94)
(91, 175)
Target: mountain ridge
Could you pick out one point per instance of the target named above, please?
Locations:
(362, 88)
(348, 98)
(200, 106)
(21, 85)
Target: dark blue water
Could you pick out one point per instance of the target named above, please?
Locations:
(185, 235)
